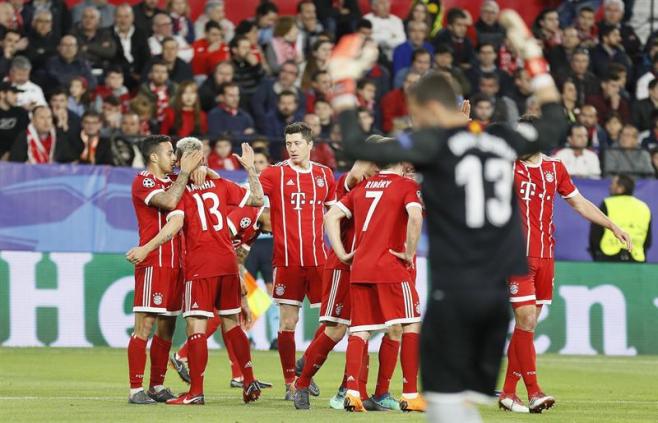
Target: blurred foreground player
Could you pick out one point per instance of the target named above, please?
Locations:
(158, 275)
(211, 272)
(388, 217)
(476, 242)
(538, 179)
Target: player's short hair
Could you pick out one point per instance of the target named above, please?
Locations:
(379, 139)
(626, 182)
(188, 144)
(300, 128)
(151, 144)
(434, 87)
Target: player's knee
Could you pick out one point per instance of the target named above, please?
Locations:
(526, 319)
(229, 322)
(144, 325)
(335, 332)
(395, 332)
(288, 322)
(165, 327)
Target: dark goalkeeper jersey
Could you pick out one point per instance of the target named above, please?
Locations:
(476, 241)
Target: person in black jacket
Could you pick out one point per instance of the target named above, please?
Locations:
(643, 110)
(209, 90)
(42, 43)
(248, 71)
(13, 119)
(179, 70)
(144, 13)
(132, 48)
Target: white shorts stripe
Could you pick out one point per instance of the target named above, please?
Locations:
(408, 303)
(521, 299)
(332, 293)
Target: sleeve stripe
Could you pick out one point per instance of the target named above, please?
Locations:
(245, 198)
(330, 203)
(347, 189)
(149, 197)
(175, 213)
(573, 194)
(344, 209)
(413, 204)
(231, 226)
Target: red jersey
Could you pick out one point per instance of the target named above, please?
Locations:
(204, 61)
(297, 201)
(536, 185)
(243, 223)
(379, 207)
(346, 230)
(208, 247)
(150, 221)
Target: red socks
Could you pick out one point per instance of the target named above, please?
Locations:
(316, 354)
(527, 358)
(236, 373)
(197, 345)
(159, 355)
(136, 361)
(354, 362)
(409, 356)
(287, 355)
(513, 373)
(239, 343)
(213, 324)
(388, 358)
(363, 376)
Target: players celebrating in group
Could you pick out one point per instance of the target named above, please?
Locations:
(481, 240)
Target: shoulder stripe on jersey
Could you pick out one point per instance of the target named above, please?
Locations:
(152, 194)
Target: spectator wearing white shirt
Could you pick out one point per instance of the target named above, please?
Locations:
(642, 85)
(162, 28)
(31, 94)
(214, 11)
(387, 29)
(579, 161)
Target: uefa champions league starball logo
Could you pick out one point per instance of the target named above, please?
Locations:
(245, 222)
(319, 182)
(148, 183)
(157, 298)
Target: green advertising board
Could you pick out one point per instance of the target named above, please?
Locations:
(85, 300)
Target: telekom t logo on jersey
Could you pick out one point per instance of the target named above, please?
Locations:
(298, 199)
(528, 189)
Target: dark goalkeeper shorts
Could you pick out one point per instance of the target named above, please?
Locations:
(462, 340)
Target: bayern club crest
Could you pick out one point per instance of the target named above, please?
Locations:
(245, 222)
(549, 176)
(319, 182)
(157, 298)
(339, 308)
(279, 290)
(148, 183)
(514, 289)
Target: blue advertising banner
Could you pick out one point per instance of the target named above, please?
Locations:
(77, 208)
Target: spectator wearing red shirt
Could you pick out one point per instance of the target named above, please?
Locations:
(114, 87)
(185, 117)
(209, 51)
(320, 89)
(394, 105)
(220, 157)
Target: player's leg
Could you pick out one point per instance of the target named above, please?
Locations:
(388, 359)
(544, 280)
(409, 359)
(178, 360)
(137, 357)
(229, 307)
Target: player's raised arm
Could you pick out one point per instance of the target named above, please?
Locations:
(255, 189)
(174, 224)
(169, 199)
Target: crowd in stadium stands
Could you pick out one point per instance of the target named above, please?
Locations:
(84, 84)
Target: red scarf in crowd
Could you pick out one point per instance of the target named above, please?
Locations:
(91, 144)
(162, 101)
(40, 150)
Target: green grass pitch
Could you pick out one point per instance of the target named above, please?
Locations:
(71, 385)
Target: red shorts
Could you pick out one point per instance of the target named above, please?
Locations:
(382, 305)
(336, 296)
(158, 290)
(293, 283)
(535, 288)
(204, 296)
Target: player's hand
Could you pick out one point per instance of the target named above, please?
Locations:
(353, 56)
(247, 157)
(404, 256)
(190, 161)
(247, 318)
(136, 255)
(519, 36)
(198, 175)
(466, 108)
(623, 237)
(346, 257)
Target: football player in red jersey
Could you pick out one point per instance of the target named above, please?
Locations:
(335, 310)
(246, 224)
(211, 268)
(158, 277)
(380, 272)
(298, 190)
(537, 180)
